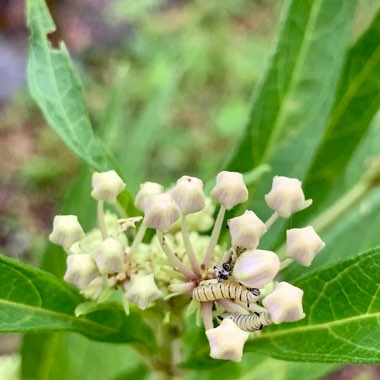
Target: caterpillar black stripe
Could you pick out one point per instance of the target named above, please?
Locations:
(249, 322)
(212, 292)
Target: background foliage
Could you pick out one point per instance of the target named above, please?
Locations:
(176, 91)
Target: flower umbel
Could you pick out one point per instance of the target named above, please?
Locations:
(236, 284)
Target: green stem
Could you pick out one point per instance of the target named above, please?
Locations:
(327, 218)
(101, 220)
(189, 249)
(333, 213)
(173, 259)
(214, 238)
(271, 220)
(137, 240)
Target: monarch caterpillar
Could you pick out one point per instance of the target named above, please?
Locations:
(224, 272)
(212, 292)
(249, 322)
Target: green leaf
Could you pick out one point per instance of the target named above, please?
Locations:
(258, 367)
(357, 101)
(342, 306)
(69, 356)
(291, 106)
(33, 300)
(55, 86)
(268, 368)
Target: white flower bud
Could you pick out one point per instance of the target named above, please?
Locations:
(246, 230)
(286, 196)
(146, 190)
(161, 211)
(284, 304)
(188, 193)
(255, 269)
(94, 289)
(81, 270)
(66, 230)
(227, 341)
(106, 186)
(109, 256)
(142, 290)
(303, 244)
(230, 189)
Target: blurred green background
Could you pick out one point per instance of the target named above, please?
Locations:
(166, 81)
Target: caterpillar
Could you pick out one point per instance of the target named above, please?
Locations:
(217, 291)
(249, 322)
(225, 271)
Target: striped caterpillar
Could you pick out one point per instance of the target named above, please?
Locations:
(249, 322)
(232, 290)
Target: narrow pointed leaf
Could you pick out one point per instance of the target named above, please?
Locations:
(55, 86)
(291, 106)
(357, 101)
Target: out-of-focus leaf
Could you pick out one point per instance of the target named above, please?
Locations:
(253, 365)
(357, 101)
(68, 356)
(33, 301)
(112, 118)
(268, 368)
(135, 151)
(55, 86)
(342, 306)
(357, 228)
(291, 106)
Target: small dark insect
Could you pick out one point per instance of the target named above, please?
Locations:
(221, 273)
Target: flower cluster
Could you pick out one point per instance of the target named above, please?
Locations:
(236, 284)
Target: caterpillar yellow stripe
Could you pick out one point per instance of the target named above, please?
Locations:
(217, 291)
(249, 322)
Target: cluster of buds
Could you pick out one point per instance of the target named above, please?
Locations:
(180, 260)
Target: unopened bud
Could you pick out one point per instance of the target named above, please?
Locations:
(255, 269)
(246, 230)
(109, 256)
(146, 190)
(142, 290)
(284, 304)
(161, 211)
(81, 270)
(106, 186)
(286, 196)
(227, 341)
(66, 230)
(303, 244)
(230, 189)
(94, 289)
(188, 193)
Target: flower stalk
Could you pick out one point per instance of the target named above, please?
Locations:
(189, 249)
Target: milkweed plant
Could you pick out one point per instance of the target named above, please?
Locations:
(215, 279)
(236, 284)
